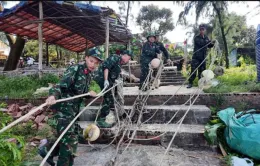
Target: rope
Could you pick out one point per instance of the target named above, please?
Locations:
(63, 133)
(134, 132)
(36, 109)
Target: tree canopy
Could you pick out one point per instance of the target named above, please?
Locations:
(152, 18)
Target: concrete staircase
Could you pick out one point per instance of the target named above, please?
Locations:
(189, 136)
(167, 78)
(189, 139)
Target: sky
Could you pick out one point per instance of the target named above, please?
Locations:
(179, 33)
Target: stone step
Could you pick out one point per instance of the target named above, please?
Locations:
(172, 79)
(160, 95)
(188, 136)
(198, 114)
(161, 84)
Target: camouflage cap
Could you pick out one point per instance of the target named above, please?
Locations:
(202, 26)
(94, 52)
(150, 34)
(129, 53)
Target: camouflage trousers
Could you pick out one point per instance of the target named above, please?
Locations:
(108, 101)
(144, 70)
(67, 147)
(194, 64)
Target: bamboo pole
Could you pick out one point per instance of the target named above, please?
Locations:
(40, 38)
(107, 37)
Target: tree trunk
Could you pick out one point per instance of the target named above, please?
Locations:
(127, 13)
(16, 50)
(223, 34)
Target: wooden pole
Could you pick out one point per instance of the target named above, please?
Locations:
(77, 57)
(47, 54)
(185, 56)
(40, 38)
(129, 68)
(107, 37)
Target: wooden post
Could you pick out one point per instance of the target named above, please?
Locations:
(129, 68)
(185, 56)
(107, 37)
(47, 54)
(40, 38)
(77, 57)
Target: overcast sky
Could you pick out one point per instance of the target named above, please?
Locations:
(179, 33)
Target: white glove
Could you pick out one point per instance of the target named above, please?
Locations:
(106, 83)
(169, 61)
(50, 100)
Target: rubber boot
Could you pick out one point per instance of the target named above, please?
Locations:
(101, 122)
(42, 152)
(189, 85)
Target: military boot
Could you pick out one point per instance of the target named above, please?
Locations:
(101, 122)
(43, 152)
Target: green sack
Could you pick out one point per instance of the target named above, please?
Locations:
(242, 131)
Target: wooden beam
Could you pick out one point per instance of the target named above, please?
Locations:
(107, 37)
(77, 57)
(40, 37)
(47, 54)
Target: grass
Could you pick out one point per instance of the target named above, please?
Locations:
(237, 79)
(25, 86)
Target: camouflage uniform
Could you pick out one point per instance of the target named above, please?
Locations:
(75, 81)
(199, 56)
(149, 52)
(114, 69)
(165, 53)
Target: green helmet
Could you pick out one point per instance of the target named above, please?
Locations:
(129, 53)
(94, 52)
(151, 34)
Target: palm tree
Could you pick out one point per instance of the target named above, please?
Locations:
(204, 7)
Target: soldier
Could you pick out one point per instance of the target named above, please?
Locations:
(200, 52)
(162, 48)
(75, 81)
(149, 52)
(106, 75)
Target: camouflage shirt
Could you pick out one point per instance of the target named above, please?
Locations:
(114, 69)
(75, 81)
(149, 51)
(163, 49)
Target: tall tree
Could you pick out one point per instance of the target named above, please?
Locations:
(125, 8)
(152, 18)
(205, 7)
(16, 48)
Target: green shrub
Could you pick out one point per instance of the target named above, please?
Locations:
(10, 153)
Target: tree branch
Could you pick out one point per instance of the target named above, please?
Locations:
(228, 30)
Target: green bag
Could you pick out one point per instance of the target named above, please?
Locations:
(242, 131)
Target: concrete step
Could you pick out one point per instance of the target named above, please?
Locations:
(161, 84)
(160, 95)
(198, 114)
(172, 79)
(188, 136)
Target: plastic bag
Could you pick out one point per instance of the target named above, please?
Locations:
(242, 131)
(241, 161)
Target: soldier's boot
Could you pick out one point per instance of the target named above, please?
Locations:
(101, 122)
(42, 152)
(189, 85)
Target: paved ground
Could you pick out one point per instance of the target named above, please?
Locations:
(163, 90)
(138, 155)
